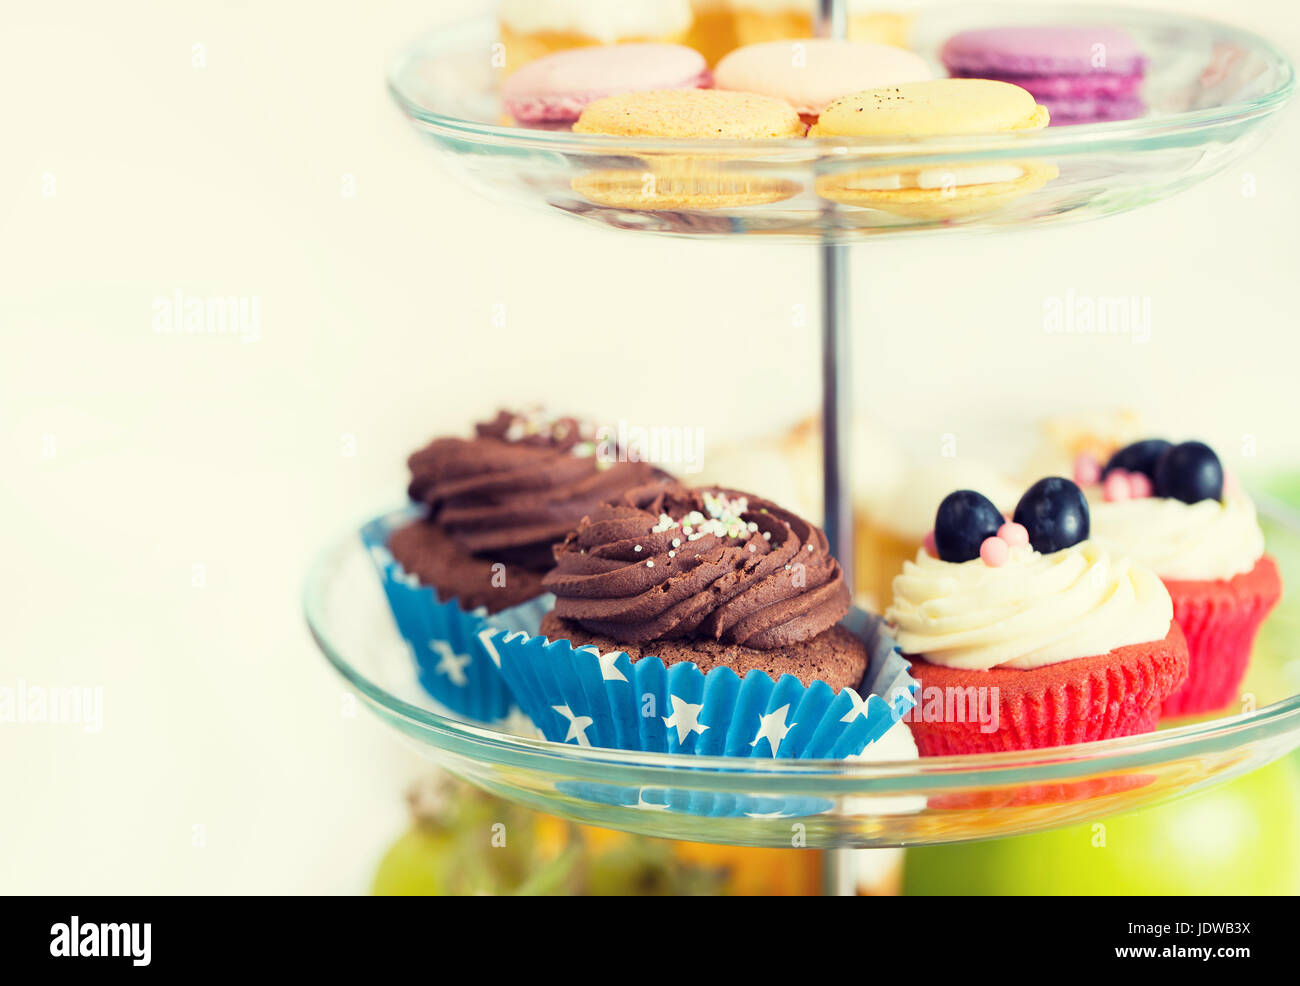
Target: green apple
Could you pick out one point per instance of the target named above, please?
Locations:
(1240, 838)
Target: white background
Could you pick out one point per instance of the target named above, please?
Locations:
(132, 457)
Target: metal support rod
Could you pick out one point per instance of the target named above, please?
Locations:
(832, 22)
(837, 384)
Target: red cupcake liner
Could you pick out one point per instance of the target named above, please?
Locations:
(1078, 701)
(1219, 619)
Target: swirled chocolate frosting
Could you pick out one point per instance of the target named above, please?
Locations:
(514, 490)
(666, 562)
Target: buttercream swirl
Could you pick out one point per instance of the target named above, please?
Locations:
(667, 562)
(1181, 541)
(1033, 611)
(519, 486)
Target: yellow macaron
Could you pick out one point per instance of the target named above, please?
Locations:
(691, 113)
(681, 181)
(938, 107)
(941, 107)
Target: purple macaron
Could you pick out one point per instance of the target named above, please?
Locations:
(1081, 74)
(552, 91)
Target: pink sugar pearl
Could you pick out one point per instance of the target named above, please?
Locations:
(1139, 485)
(1087, 470)
(1116, 488)
(930, 548)
(1014, 534)
(995, 552)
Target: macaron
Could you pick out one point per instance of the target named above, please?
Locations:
(1082, 74)
(554, 90)
(940, 107)
(811, 73)
(695, 182)
(691, 113)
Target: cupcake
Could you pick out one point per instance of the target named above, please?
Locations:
(531, 29)
(1170, 508)
(774, 20)
(723, 612)
(740, 583)
(490, 509)
(713, 30)
(891, 520)
(1028, 633)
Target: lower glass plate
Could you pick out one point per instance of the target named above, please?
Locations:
(816, 804)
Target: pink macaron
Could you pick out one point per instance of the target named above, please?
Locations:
(811, 73)
(553, 90)
(1081, 74)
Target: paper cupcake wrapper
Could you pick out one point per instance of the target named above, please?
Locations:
(451, 663)
(579, 696)
(708, 804)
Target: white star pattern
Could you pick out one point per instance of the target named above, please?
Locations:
(453, 665)
(685, 717)
(645, 805)
(608, 670)
(380, 555)
(859, 706)
(578, 725)
(772, 727)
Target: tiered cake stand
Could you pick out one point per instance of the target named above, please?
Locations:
(1212, 92)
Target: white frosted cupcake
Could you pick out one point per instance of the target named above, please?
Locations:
(533, 28)
(1171, 508)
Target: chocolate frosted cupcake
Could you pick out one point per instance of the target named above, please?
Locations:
(491, 509)
(498, 503)
(710, 576)
(703, 621)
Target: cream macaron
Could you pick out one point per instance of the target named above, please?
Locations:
(810, 74)
(939, 107)
(696, 181)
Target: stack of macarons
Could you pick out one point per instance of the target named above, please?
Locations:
(1081, 74)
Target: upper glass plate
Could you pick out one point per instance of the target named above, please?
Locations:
(1210, 91)
(822, 803)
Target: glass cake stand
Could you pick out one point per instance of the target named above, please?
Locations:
(1212, 92)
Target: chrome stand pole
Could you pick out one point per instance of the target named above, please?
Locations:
(832, 22)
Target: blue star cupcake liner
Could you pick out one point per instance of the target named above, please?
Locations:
(580, 696)
(452, 664)
(709, 804)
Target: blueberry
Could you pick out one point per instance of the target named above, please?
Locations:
(1139, 457)
(1055, 513)
(1190, 472)
(964, 520)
